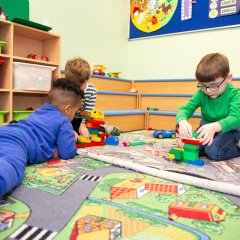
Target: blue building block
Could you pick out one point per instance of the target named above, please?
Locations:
(112, 140)
(196, 162)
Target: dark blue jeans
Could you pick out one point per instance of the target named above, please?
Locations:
(223, 147)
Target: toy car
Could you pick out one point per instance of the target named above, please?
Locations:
(164, 134)
(114, 74)
(98, 69)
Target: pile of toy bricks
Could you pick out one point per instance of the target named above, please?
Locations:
(94, 120)
(189, 153)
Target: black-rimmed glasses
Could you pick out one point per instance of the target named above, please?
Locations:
(212, 87)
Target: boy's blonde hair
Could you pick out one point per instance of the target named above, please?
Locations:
(77, 69)
(211, 67)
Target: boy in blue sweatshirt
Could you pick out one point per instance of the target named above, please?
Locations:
(36, 138)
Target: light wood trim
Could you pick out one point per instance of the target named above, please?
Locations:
(6, 36)
(4, 56)
(166, 87)
(164, 103)
(5, 74)
(5, 104)
(236, 83)
(33, 33)
(127, 122)
(30, 92)
(117, 102)
(33, 61)
(184, 87)
(146, 119)
(168, 122)
(110, 85)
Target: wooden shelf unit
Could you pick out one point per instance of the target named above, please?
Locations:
(21, 41)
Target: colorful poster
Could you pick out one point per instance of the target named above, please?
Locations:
(151, 15)
(150, 18)
(223, 7)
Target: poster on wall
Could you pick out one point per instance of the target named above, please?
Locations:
(149, 18)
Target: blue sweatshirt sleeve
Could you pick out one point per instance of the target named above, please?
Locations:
(65, 141)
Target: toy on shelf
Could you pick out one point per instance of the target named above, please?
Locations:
(98, 69)
(3, 15)
(2, 44)
(189, 153)
(37, 57)
(33, 56)
(1, 62)
(114, 74)
(44, 58)
(133, 90)
(152, 109)
(164, 134)
(93, 122)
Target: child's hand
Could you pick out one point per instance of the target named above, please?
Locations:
(83, 130)
(207, 132)
(185, 129)
(75, 136)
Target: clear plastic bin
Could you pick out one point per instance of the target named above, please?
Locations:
(35, 77)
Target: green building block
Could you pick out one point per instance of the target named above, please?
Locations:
(85, 117)
(195, 134)
(191, 147)
(191, 152)
(137, 143)
(93, 131)
(16, 9)
(177, 152)
(190, 156)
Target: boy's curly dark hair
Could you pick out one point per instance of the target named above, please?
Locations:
(65, 91)
(67, 85)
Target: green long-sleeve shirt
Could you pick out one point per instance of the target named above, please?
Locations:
(225, 109)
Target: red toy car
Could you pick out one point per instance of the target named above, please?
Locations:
(98, 69)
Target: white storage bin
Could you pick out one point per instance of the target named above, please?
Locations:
(32, 76)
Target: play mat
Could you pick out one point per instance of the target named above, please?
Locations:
(87, 199)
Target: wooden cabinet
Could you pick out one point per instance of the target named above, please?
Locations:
(20, 42)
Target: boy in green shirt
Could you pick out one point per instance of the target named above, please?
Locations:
(219, 101)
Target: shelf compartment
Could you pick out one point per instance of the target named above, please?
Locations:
(5, 104)
(32, 41)
(5, 73)
(24, 100)
(2, 116)
(6, 36)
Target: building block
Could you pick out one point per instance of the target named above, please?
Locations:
(126, 144)
(177, 153)
(96, 136)
(196, 162)
(93, 131)
(189, 153)
(112, 140)
(137, 143)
